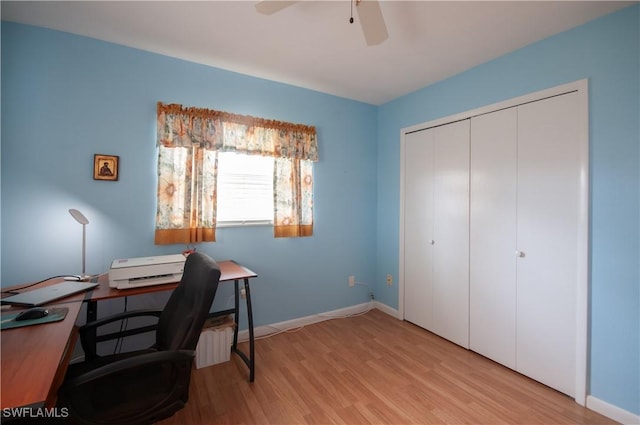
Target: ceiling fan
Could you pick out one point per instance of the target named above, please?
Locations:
(369, 14)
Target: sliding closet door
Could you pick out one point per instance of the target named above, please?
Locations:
(451, 232)
(436, 230)
(495, 233)
(418, 228)
(492, 321)
(547, 234)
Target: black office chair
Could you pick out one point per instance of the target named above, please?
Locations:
(144, 386)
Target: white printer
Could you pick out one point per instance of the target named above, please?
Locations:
(145, 271)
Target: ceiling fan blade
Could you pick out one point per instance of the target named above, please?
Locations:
(269, 7)
(372, 22)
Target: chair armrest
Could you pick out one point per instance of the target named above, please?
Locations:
(127, 364)
(88, 331)
(119, 316)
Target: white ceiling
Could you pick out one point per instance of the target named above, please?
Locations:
(312, 45)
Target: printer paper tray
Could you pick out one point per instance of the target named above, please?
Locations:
(148, 281)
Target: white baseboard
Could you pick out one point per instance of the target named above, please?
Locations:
(266, 330)
(612, 412)
(386, 309)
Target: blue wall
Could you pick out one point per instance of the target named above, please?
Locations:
(607, 52)
(66, 98)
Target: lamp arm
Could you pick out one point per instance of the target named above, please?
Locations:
(84, 249)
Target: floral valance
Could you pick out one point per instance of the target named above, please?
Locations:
(223, 131)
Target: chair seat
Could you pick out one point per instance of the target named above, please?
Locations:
(115, 403)
(144, 386)
(80, 368)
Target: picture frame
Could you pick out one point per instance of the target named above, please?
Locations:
(105, 167)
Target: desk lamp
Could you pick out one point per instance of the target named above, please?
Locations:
(80, 218)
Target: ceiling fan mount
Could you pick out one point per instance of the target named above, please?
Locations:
(369, 14)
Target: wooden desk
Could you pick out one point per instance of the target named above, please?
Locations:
(35, 359)
(230, 271)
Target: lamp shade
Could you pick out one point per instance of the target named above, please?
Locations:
(80, 218)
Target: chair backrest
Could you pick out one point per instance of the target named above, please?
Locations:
(184, 314)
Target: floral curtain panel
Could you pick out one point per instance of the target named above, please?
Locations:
(293, 212)
(188, 139)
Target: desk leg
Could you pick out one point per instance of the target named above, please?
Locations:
(252, 362)
(92, 311)
(92, 316)
(236, 315)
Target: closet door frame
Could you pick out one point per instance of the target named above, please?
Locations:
(581, 87)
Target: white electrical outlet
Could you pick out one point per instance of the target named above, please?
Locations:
(352, 280)
(389, 280)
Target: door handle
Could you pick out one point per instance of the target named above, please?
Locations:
(520, 254)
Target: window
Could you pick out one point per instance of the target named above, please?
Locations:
(271, 171)
(245, 189)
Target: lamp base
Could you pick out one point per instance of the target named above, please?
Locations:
(78, 278)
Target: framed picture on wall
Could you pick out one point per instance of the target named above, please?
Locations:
(105, 167)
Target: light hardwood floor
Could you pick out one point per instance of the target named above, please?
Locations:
(371, 369)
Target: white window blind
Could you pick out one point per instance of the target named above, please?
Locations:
(245, 189)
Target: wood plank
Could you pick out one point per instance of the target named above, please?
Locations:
(371, 369)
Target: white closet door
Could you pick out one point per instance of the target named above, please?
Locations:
(492, 312)
(451, 232)
(418, 231)
(548, 205)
